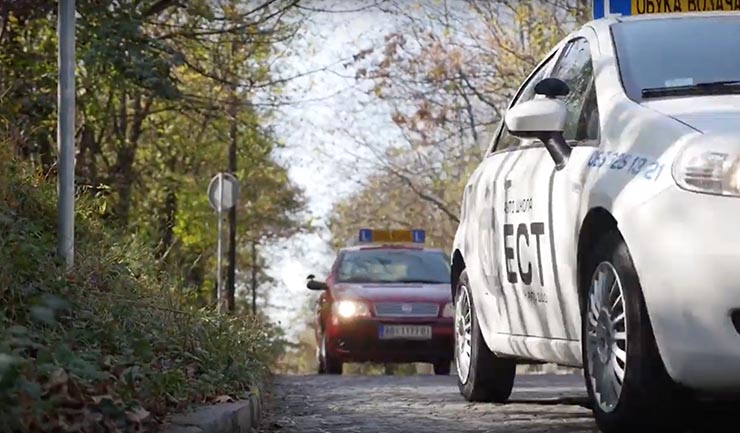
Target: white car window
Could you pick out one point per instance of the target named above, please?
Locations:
(576, 69)
(505, 139)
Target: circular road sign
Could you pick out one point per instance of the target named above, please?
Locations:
(226, 199)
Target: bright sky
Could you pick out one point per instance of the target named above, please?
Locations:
(329, 108)
(318, 153)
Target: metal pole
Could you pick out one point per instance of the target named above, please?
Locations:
(254, 277)
(65, 132)
(231, 270)
(219, 246)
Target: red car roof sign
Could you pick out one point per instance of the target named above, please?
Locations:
(416, 236)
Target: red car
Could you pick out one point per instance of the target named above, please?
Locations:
(385, 302)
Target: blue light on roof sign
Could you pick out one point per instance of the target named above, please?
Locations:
(418, 236)
(602, 8)
(366, 235)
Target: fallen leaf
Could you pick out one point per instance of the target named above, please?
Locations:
(191, 370)
(108, 361)
(137, 415)
(58, 377)
(223, 399)
(97, 399)
(111, 426)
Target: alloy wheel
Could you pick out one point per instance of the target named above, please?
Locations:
(463, 334)
(606, 336)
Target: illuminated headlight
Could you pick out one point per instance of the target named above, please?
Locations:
(349, 309)
(709, 171)
(449, 310)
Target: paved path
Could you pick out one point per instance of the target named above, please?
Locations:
(429, 404)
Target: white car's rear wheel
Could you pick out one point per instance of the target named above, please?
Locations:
(463, 334)
(481, 375)
(629, 388)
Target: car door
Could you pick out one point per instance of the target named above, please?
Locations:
(497, 311)
(542, 206)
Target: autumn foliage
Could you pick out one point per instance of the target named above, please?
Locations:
(112, 345)
(446, 75)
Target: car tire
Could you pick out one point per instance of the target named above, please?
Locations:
(320, 348)
(333, 366)
(442, 368)
(487, 377)
(327, 363)
(647, 400)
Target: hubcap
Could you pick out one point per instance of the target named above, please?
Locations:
(463, 333)
(606, 336)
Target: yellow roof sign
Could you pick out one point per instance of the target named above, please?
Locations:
(391, 236)
(603, 8)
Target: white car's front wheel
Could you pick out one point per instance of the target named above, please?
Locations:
(629, 388)
(606, 336)
(481, 375)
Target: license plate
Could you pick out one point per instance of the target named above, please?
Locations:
(640, 7)
(406, 332)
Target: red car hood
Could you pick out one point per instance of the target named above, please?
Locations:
(394, 292)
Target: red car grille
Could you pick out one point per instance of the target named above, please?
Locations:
(406, 309)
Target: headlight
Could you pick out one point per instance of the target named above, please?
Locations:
(348, 309)
(709, 171)
(449, 310)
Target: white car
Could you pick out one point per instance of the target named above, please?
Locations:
(600, 229)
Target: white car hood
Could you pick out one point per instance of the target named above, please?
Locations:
(718, 113)
(395, 292)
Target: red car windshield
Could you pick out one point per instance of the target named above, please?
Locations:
(393, 266)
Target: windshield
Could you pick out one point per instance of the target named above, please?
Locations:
(394, 266)
(677, 52)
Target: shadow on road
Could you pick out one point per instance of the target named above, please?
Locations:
(564, 401)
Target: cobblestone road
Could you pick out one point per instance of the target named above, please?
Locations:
(431, 404)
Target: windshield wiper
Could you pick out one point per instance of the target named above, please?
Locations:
(709, 88)
(420, 281)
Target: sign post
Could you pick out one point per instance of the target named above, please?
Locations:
(222, 194)
(65, 133)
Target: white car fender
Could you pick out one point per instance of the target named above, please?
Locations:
(657, 139)
(634, 161)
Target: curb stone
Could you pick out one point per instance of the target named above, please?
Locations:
(241, 416)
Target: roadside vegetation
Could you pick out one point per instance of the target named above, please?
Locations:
(114, 344)
(165, 90)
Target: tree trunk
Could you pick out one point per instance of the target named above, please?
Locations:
(167, 223)
(123, 185)
(129, 142)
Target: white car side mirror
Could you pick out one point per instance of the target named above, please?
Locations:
(543, 119)
(532, 118)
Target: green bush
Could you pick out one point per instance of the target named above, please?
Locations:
(112, 345)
